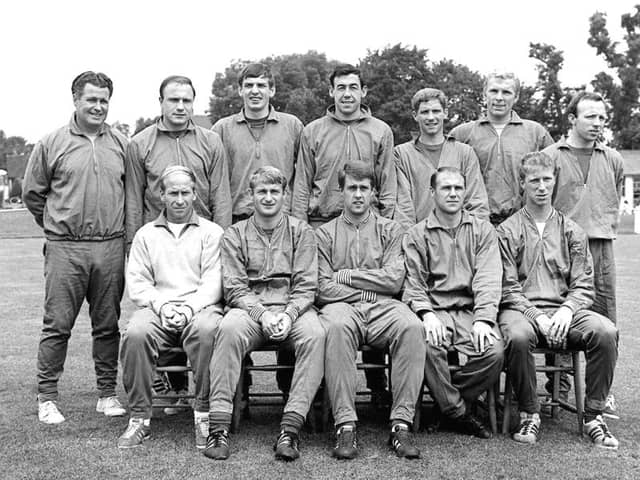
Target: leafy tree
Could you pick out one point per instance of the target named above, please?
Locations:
(623, 96)
(142, 123)
(13, 146)
(123, 128)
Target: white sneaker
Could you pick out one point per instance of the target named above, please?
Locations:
(611, 408)
(110, 406)
(599, 433)
(48, 413)
(528, 429)
(201, 420)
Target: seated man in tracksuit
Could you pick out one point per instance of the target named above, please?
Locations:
(547, 292)
(453, 285)
(174, 277)
(270, 278)
(360, 269)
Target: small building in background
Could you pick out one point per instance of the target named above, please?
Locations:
(631, 191)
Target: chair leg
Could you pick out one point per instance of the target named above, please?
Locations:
(506, 416)
(491, 404)
(555, 394)
(578, 386)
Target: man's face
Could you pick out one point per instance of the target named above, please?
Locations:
(358, 195)
(268, 199)
(500, 96)
(256, 93)
(538, 186)
(430, 117)
(178, 196)
(590, 120)
(92, 107)
(176, 106)
(347, 93)
(449, 192)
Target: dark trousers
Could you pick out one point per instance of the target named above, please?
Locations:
(75, 270)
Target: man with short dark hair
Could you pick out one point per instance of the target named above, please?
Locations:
(270, 278)
(418, 159)
(453, 284)
(500, 138)
(257, 136)
(74, 187)
(174, 139)
(174, 277)
(361, 269)
(589, 187)
(547, 292)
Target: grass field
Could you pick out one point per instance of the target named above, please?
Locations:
(84, 447)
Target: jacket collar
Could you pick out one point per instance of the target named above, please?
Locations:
(562, 144)
(515, 118)
(434, 222)
(161, 126)
(75, 128)
(161, 220)
(350, 222)
(365, 112)
(273, 116)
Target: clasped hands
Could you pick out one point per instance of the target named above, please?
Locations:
(555, 329)
(275, 326)
(175, 316)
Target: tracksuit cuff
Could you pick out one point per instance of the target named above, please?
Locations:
(532, 313)
(344, 276)
(293, 312)
(256, 312)
(368, 296)
(573, 306)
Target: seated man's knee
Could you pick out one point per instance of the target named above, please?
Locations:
(140, 327)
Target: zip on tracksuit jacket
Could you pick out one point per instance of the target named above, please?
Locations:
(154, 149)
(414, 170)
(592, 205)
(74, 186)
(326, 145)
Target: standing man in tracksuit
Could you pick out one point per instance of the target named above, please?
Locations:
(360, 270)
(74, 187)
(500, 139)
(347, 132)
(270, 278)
(589, 187)
(418, 159)
(547, 292)
(454, 275)
(175, 140)
(259, 136)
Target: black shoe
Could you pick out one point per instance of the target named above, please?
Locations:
(217, 445)
(472, 426)
(286, 446)
(433, 421)
(400, 441)
(346, 443)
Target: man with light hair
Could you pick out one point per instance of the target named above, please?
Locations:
(500, 138)
(174, 278)
(547, 291)
(589, 188)
(418, 159)
(74, 187)
(270, 278)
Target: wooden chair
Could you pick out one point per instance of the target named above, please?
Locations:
(164, 400)
(575, 370)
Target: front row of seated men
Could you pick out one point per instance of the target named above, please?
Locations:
(448, 269)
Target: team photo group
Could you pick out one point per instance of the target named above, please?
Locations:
(474, 246)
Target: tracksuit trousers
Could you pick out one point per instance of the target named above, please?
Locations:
(384, 324)
(145, 340)
(589, 331)
(478, 374)
(238, 334)
(75, 270)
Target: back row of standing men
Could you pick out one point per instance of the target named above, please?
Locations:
(77, 175)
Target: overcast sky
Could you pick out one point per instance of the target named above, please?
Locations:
(45, 44)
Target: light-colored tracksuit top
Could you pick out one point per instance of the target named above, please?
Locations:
(154, 149)
(261, 272)
(277, 146)
(359, 263)
(414, 170)
(326, 145)
(74, 186)
(453, 270)
(500, 156)
(546, 272)
(592, 205)
(186, 269)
